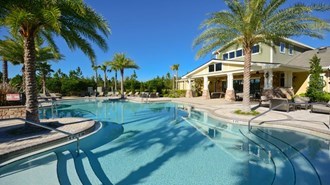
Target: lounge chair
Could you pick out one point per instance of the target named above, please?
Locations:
(304, 102)
(136, 94)
(44, 97)
(285, 104)
(55, 96)
(110, 93)
(264, 101)
(321, 108)
(130, 93)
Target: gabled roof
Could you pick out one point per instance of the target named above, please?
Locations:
(286, 39)
(303, 59)
(237, 62)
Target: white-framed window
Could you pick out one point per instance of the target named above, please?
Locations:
(256, 49)
(232, 54)
(282, 47)
(290, 49)
(225, 56)
(218, 67)
(239, 53)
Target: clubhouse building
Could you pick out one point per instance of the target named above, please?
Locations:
(278, 71)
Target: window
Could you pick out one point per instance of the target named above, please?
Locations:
(255, 49)
(232, 54)
(282, 47)
(211, 68)
(290, 50)
(225, 56)
(218, 67)
(239, 53)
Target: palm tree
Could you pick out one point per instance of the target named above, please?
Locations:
(70, 19)
(44, 69)
(103, 67)
(12, 50)
(257, 21)
(95, 68)
(119, 63)
(175, 68)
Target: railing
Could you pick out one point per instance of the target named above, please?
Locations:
(53, 129)
(285, 103)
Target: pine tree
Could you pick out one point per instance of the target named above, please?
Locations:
(316, 83)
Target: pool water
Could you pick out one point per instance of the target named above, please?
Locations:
(167, 143)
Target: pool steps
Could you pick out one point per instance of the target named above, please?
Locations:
(282, 162)
(84, 169)
(66, 170)
(304, 176)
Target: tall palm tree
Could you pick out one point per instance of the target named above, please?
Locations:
(44, 70)
(257, 21)
(103, 67)
(175, 68)
(120, 62)
(73, 20)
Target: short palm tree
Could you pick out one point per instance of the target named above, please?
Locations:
(257, 21)
(119, 63)
(44, 70)
(73, 20)
(175, 68)
(12, 50)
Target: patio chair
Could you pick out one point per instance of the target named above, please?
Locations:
(55, 96)
(321, 108)
(110, 93)
(264, 101)
(285, 104)
(303, 100)
(136, 94)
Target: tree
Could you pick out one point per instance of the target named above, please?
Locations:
(72, 20)
(257, 21)
(316, 82)
(44, 70)
(103, 67)
(119, 63)
(175, 68)
(11, 49)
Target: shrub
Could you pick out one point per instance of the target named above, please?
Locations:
(240, 112)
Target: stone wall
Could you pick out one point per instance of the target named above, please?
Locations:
(12, 112)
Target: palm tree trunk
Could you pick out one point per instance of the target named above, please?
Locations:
(5, 71)
(23, 77)
(173, 80)
(30, 80)
(96, 76)
(246, 80)
(115, 81)
(105, 81)
(44, 84)
(176, 82)
(122, 83)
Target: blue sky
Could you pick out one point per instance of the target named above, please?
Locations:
(154, 33)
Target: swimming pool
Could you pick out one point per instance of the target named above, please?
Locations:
(167, 143)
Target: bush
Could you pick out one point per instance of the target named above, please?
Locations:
(240, 112)
(176, 93)
(7, 89)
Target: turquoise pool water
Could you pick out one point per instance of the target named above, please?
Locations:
(166, 143)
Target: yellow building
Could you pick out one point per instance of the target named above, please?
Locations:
(281, 70)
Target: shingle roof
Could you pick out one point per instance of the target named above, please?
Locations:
(303, 59)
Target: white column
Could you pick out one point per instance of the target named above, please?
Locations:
(230, 81)
(268, 79)
(189, 84)
(288, 79)
(206, 83)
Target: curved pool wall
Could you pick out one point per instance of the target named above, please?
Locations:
(166, 143)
